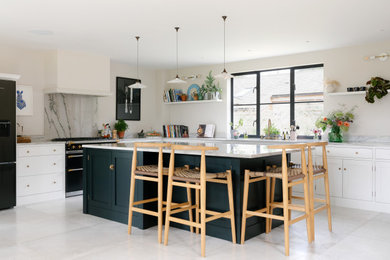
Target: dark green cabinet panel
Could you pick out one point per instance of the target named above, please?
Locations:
(121, 181)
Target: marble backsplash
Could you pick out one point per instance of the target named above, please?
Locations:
(69, 115)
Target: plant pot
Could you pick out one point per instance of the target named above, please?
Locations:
(235, 134)
(335, 137)
(121, 134)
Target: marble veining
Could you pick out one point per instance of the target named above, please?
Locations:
(69, 115)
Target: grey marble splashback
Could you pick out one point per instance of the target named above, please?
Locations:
(69, 115)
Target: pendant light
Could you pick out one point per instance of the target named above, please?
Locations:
(137, 84)
(224, 74)
(177, 79)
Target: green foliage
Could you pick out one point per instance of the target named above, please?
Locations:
(240, 124)
(272, 131)
(209, 85)
(336, 120)
(378, 88)
(121, 125)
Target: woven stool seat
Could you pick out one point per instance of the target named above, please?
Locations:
(316, 168)
(195, 174)
(292, 173)
(150, 170)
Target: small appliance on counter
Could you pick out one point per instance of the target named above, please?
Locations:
(74, 161)
(7, 144)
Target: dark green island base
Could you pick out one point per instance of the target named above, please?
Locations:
(106, 191)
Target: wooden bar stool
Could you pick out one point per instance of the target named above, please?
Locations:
(318, 171)
(290, 177)
(153, 173)
(196, 179)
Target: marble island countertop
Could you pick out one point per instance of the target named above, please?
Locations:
(232, 150)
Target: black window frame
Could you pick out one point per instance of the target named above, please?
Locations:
(258, 103)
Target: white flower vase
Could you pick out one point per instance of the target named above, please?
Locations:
(235, 134)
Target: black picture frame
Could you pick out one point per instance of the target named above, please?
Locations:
(123, 93)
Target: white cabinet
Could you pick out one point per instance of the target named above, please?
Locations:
(40, 170)
(382, 182)
(357, 179)
(335, 174)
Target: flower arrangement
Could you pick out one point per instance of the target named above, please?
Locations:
(235, 133)
(317, 133)
(338, 122)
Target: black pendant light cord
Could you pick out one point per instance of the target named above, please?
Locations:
(137, 37)
(177, 51)
(224, 42)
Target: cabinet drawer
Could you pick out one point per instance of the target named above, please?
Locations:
(382, 154)
(39, 150)
(363, 153)
(39, 184)
(28, 166)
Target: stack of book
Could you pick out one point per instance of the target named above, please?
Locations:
(172, 95)
(175, 131)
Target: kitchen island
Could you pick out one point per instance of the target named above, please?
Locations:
(107, 170)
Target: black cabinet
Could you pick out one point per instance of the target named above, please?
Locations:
(107, 186)
(7, 185)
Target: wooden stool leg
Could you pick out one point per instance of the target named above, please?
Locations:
(289, 201)
(267, 198)
(160, 206)
(311, 203)
(197, 209)
(231, 205)
(132, 190)
(190, 210)
(285, 214)
(169, 197)
(271, 208)
(203, 216)
(245, 205)
(326, 181)
(308, 212)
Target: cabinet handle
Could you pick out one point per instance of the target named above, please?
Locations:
(28, 151)
(345, 169)
(328, 151)
(54, 150)
(356, 152)
(339, 169)
(28, 166)
(54, 182)
(28, 185)
(54, 164)
(112, 167)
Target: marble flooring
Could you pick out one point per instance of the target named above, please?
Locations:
(59, 230)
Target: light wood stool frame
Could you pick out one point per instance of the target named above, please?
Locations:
(287, 206)
(199, 186)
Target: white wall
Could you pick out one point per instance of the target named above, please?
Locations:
(346, 65)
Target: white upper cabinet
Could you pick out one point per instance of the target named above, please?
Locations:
(77, 73)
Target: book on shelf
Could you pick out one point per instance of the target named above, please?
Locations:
(172, 95)
(206, 130)
(175, 131)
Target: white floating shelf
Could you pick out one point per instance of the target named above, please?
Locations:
(352, 93)
(193, 102)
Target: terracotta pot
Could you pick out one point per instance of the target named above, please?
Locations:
(121, 134)
(183, 97)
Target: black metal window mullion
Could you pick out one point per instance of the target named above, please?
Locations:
(258, 104)
(292, 96)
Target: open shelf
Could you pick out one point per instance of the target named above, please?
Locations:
(353, 93)
(193, 102)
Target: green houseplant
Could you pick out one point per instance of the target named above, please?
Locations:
(234, 132)
(378, 88)
(209, 87)
(338, 122)
(272, 132)
(121, 126)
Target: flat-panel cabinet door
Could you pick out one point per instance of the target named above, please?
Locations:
(335, 178)
(7, 186)
(99, 178)
(357, 179)
(382, 182)
(121, 180)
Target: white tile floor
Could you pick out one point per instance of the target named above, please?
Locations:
(59, 230)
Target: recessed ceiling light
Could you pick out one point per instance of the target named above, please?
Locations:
(41, 32)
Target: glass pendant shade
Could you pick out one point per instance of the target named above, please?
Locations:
(176, 80)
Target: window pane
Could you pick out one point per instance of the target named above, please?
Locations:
(245, 89)
(279, 115)
(275, 86)
(306, 115)
(309, 84)
(248, 114)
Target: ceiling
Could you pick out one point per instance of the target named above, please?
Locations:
(255, 28)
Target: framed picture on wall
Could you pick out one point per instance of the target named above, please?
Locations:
(128, 101)
(24, 100)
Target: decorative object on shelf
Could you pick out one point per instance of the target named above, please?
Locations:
(234, 132)
(192, 77)
(331, 85)
(106, 132)
(338, 122)
(382, 57)
(224, 74)
(153, 134)
(125, 109)
(114, 134)
(24, 100)
(378, 87)
(271, 132)
(121, 126)
(317, 134)
(209, 89)
(206, 130)
(141, 134)
(183, 97)
(193, 90)
(177, 79)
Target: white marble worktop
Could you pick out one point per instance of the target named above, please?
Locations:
(232, 150)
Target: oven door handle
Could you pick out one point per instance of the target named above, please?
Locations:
(74, 156)
(75, 170)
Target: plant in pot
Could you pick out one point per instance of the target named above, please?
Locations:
(234, 132)
(121, 126)
(210, 88)
(271, 132)
(338, 122)
(378, 88)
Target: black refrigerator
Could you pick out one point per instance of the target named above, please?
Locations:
(7, 144)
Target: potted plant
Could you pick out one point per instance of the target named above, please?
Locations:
(378, 88)
(210, 88)
(234, 132)
(121, 126)
(271, 132)
(338, 122)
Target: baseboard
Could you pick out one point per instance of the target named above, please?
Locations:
(30, 199)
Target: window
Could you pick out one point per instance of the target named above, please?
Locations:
(286, 96)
